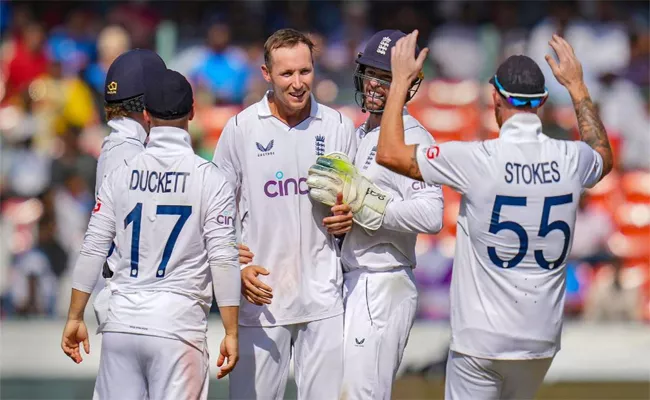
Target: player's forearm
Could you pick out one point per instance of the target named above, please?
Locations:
(419, 215)
(230, 319)
(392, 152)
(78, 301)
(590, 125)
(226, 282)
(86, 271)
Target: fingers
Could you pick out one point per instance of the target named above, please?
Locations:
(87, 346)
(221, 359)
(339, 199)
(71, 351)
(253, 299)
(225, 370)
(341, 209)
(421, 57)
(254, 290)
(551, 62)
(242, 246)
(245, 257)
(261, 270)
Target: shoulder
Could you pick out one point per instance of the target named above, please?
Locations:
(114, 146)
(416, 133)
(244, 118)
(334, 116)
(209, 169)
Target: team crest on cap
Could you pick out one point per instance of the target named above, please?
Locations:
(112, 88)
(383, 45)
(320, 145)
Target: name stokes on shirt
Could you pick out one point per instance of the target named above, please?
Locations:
(158, 182)
(537, 173)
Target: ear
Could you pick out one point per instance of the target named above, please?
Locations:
(266, 73)
(147, 117)
(495, 97)
(191, 115)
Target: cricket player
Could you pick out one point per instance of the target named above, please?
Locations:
(124, 106)
(380, 296)
(520, 193)
(171, 214)
(293, 294)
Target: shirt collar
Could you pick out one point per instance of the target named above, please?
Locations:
(409, 122)
(169, 139)
(263, 109)
(521, 127)
(128, 128)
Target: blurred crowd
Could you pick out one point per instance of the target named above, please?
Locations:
(54, 57)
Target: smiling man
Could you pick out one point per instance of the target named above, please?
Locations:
(292, 296)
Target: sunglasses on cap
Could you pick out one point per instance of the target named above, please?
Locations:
(520, 100)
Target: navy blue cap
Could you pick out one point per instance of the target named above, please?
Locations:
(125, 76)
(520, 74)
(168, 94)
(377, 51)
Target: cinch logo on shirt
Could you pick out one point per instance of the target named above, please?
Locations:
(418, 185)
(225, 219)
(98, 206)
(285, 187)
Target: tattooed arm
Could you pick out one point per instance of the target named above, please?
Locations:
(591, 127)
(568, 71)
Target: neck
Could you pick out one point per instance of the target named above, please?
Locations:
(289, 117)
(139, 118)
(373, 121)
(508, 113)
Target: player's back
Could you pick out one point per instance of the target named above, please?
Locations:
(515, 229)
(162, 283)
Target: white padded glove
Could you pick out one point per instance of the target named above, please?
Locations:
(334, 173)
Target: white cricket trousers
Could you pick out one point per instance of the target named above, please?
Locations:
(264, 354)
(380, 309)
(135, 367)
(476, 378)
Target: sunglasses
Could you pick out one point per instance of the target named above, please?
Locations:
(520, 100)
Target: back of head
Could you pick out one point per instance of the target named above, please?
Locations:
(169, 100)
(284, 38)
(124, 88)
(519, 86)
(376, 54)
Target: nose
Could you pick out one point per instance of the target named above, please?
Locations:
(374, 83)
(297, 82)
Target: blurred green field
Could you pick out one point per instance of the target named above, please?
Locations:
(407, 388)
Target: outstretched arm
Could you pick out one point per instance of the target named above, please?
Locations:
(569, 73)
(392, 151)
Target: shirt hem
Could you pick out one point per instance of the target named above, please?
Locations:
(292, 321)
(504, 356)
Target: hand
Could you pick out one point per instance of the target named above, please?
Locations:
(334, 174)
(253, 289)
(229, 350)
(341, 222)
(245, 254)
(569, 71)
(75, 331)
(405, 68)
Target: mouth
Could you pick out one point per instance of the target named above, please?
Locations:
(298, 95)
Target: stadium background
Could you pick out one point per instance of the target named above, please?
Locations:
(53, 61)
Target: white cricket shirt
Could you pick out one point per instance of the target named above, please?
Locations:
(416, 207)
(171, 214)
(268, 162)
(125, 141)
(520, 193)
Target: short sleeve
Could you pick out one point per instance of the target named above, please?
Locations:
(447, 163)
(589, 165)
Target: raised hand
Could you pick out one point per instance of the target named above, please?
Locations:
(569, 70)
(405, 67)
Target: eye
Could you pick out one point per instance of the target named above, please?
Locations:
(286, 74)
(305, 71)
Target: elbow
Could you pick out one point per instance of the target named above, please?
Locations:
(435, 227)
(384, 159)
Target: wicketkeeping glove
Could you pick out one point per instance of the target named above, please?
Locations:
(334, 173)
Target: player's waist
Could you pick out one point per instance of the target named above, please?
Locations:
(375, 261)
